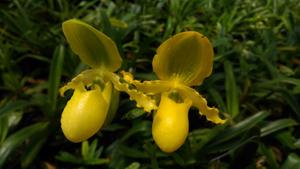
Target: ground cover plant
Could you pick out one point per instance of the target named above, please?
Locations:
(254, 83)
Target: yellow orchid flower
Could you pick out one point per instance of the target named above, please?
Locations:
(181, 61)
(95, 88)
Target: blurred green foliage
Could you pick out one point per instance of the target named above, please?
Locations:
(255, 83)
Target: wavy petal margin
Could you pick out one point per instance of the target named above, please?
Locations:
(84, 78)
(142, 100)
(148, 87)
(211, 113)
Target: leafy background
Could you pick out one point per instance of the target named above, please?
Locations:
(255, 83)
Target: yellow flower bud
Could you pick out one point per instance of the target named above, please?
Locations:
(85, 113)
(171, 125)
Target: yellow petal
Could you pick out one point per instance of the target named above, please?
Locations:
(85, 113)
(149, 87)
(142, 100)
(92, 46)
(186, 57)
(170, 124)
(211, 113)
(85, 78)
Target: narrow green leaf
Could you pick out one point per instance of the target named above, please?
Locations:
(287, 139)
(292, 101)
(232, 96)
(140, 126)
(277, 125)
(3, 129)
(13, 106)
(14, 140)
(134, 113)
(292, 162)
(218, 98)
(198, 138)
(32, 151)
(93, 149)
(55, 75)
(133, 152)
(98, 161)
(134, 165)
(241, 127)
(178, 159)
(92, 46)
(85, 150)
(105, 24)
(227, 147)
(270, 156)
(271, 68)
(68, 157)
(297, 144)
(281, 79)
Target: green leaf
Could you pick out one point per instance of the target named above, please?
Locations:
(287, 139)
(134, 113)
(3, 129)
(134, 165)
(90, 154)
(232, 96)
(270, 156)
(85, 149)
(92, 46)
(16, 139)
(33, 149)
(297, 144)
(68, 157)
(240, 127)
(98, 161)
(13, 106)
(227, 147)
(133, 152)
(218, 98)
(277, 125)
(292, 162)
(198, 138)
(292, 101)
(55, 75)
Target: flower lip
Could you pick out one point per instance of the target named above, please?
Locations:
(170, 124)
(85, 112)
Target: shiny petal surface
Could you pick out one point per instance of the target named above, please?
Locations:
(170, 124)
(186, 57)
(92, 46)
(85, 113)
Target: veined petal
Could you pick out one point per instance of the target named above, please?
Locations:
(142, 100)
(211, 113)
(92, 46)
(186, 57)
